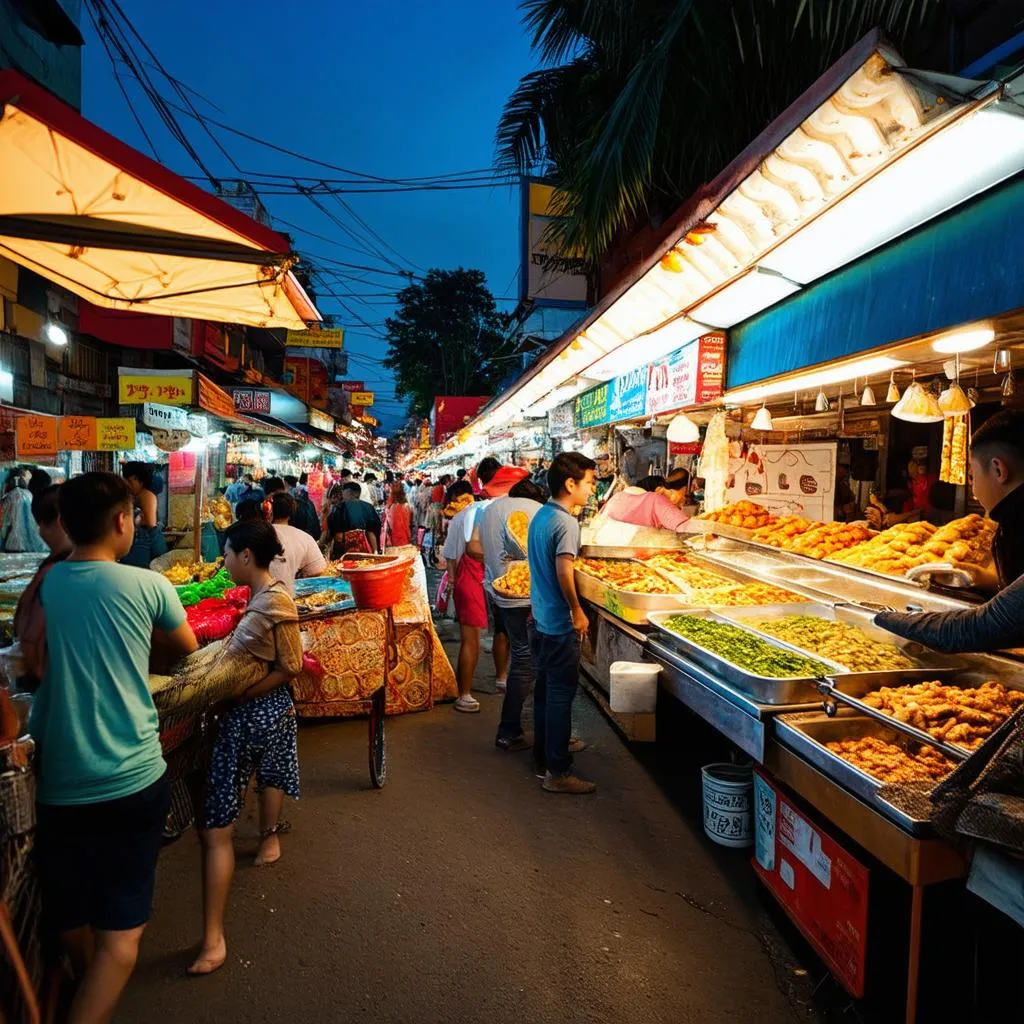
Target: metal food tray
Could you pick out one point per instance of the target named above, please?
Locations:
(705, 526)
(807, 732)
(626, 551)
(625, 604)
(930, 665)
(763, 689)
(314, 584)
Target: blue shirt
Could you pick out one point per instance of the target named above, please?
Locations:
(553, 532)
(93, 716)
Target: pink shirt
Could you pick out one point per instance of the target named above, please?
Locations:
(644, 508)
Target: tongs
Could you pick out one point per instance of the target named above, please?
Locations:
(834, 697)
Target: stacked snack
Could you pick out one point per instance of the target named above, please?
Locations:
(841, 642)
(744, 514)
(963, 540)
(515, 582)
(785, 531)
(827, 539)
(953, 467)
(889, 762)
(892, 552)
(630, 576)
(218, 509)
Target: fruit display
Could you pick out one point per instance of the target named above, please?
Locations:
(515, 582)
(826, 539)
(784, 532)
(745, 650)
(841, 642)
(518, 524)
(192, 572)
(960, 715)
(745, 514)
(622, 575)
(888, 762)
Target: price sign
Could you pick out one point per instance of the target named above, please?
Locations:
(77, 434)
(115, 434)
(35, 437)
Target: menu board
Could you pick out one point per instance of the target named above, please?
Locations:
(788, 479)
(691, 375)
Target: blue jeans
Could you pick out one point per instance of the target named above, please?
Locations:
(514, 624)
(557, 661)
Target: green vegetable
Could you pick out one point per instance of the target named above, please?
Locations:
(745, 650)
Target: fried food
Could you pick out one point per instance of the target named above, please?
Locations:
(518, 525)
(182, 573)
(841, 642)
(686, 570)
(318, 599)
(961, 715)
(622, 575)
(825, 539)
(743, 595)
(889, 762)
(515, 582)
(784, 532)
(744, 514)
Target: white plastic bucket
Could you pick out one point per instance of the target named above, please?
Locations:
(633, 687)
(728, 803)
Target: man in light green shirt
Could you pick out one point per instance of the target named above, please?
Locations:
(102, 789)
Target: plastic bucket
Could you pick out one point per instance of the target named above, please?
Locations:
(633, 687)
(728, 803)
(380, 585)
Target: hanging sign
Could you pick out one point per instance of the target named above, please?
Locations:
(77, 434)
(324, 337)
(35, 437)
(115, 434)
(166, 417)
(691, 375)
(170, 440)
(592, 406)
(252, 400)
(562, 420)
(136, 387)
(362, 398)
(353, 385)
(629, 395)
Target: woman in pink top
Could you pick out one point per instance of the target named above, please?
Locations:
(398, 518)
(659, 507)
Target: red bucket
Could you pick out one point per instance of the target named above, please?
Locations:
(376, 581)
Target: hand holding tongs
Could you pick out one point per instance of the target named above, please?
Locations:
(834, 697)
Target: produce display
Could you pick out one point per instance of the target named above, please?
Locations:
(745, 650)
(515, 582)
(215, 586)
(825, 539)
(744, 514)
(622, 575)
(784, 532)
(192, 572)
(841, 642)
(962, 716)
(518, 524)
(453, 508)
(889, 762)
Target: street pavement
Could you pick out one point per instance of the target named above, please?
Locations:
(462, 892)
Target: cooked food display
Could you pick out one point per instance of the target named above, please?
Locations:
(960, 715)
(745, 514)
(622, 575)
(192, 572)
(841, 642)
(518, 524)
(745, 650)
(733, 594)
(826, 539)
(953, 466)
(889, 762)
(785, 531)
(218, 509)
(318, 599)
(515, 582)
(686, 570)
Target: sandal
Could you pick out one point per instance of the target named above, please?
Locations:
(468, 704)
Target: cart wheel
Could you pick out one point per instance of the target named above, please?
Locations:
(378, 740)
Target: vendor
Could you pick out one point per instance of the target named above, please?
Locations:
(658, 507)
(909, 503)
(149, 542)
(845, 505)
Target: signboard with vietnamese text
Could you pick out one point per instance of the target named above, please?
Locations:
(691, 375)
(363, 398)
(35, 437)
(324, 337)
(136, 387)
(252, 400)
(353, 385)
(592, 406)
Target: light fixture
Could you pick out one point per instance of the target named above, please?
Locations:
(953, 402)
(1002, 360)
(55, 334)
(821, 402)
(964, 341)
(6, 386)
(762, 420)
(748, 294)
(867, 396)
(682, 430)
(825, 377)
(893, 394)
(918, 406)
(1009, 387)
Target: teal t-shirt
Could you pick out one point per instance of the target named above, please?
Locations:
(93, 717)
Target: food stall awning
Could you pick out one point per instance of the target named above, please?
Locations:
(113, 226)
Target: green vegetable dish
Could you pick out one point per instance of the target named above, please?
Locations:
(745, 650)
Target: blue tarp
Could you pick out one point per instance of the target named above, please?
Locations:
(963, 266)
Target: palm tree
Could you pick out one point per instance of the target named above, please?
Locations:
(636, 103)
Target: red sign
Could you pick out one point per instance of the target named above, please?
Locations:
(684, 447)
(353, 385)
(710, 367)
(252, 400)
(452, 412)
(822, 888)
(692, 375)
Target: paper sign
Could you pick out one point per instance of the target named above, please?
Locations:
(35, 436)
(115, 434)
(77, 434)
(166, 417)
(136, 389)
(592, 406)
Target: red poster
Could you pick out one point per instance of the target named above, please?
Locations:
(710, 367)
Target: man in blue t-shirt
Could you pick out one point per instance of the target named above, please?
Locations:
(561, 623)
(102, 790)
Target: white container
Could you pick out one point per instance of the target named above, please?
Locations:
(634, 687)
(728, 803)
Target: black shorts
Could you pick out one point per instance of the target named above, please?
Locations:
(97, 862)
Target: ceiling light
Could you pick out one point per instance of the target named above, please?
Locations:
(918, 406)
(953, 402)
(755, 290)
(672, 262)
(762, 420)
(682, 430)
(869, 367)
(821, 402)
(55, 334)
(1002, 360)
(893, 394)
(964, 341)
(867, 396)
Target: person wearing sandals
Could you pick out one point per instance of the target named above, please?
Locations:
(259, 734)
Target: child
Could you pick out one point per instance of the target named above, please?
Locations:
(103, 793)
(552, 545)
(259, 734)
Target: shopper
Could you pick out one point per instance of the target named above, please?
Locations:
(561, 623)
(300, 554)
(398, 518)
(655, 505)
(259, 735)
(102, 790)
(354, 525)
(149, 540)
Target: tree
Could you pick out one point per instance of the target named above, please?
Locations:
(447, 338)
(638, 102)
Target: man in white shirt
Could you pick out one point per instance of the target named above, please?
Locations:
(302, 557)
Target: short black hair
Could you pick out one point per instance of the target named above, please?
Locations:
(651, 483)
(457, 489)
(460, 473)
(39, 481)
(351, 487)
(45, 505)
(677, 481)
(291, 481)
(248, 509)
(282, 505)
(272, 484)
(526, 488)
(141, 471)
(487, 468)
(345, 473)
(1002, 432)
(257, 536)
(303, 479)
(369, 478)
(567, 466)
(89, 503)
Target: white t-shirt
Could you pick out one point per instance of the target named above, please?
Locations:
(460, 530)
(302, 556)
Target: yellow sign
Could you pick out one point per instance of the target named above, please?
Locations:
(363, 398)
(549, 276)
(35, 436)
(167, 389)
(116, 434)
(370, 421)
(324, 337)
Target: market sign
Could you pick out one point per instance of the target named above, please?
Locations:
(353, 385)
(629, 395)
(323, 337)
(562, 420)
(136, 387)
(44, 436)
(35, 437)
(592, 406)
(548, 276)
(114, 434)
(363, 398)
(252, 400)
(164, 417)
(691, 375)
(77, 434)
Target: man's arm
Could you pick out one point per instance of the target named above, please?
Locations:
(178, 643)
(567, 583)
(314, 563)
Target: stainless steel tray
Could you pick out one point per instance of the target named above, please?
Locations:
(930, 665)
(807, 732)
(763, 689)
(625, 604)
(604, 551)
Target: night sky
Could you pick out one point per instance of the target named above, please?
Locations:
(400, 89)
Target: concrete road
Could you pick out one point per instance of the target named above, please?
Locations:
(462, 893)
